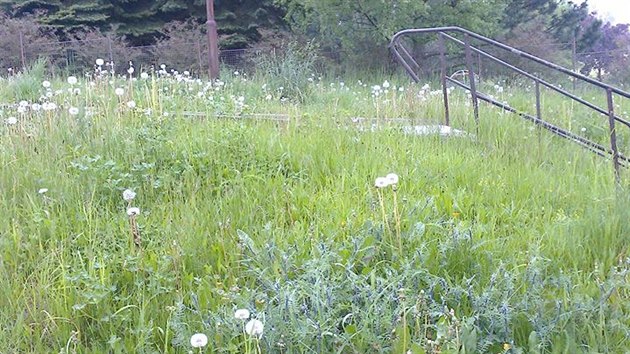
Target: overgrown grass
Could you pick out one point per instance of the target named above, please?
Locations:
(507, 240)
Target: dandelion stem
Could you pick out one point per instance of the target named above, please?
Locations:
(385, 223)
(397, 219)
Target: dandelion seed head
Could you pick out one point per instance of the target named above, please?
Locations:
(129, 195)
(198, 340)
(49, 106)
(254, 328)
(11, 121)
(131, 104)
(381, 182)
(119, 91)
(241, 314)
(133, 211)
(73, 111)
(100, 62)
(72, 80)
(392, 178)
(144, 76)
(46, 84)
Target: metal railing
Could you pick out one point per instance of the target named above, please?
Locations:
(404, 57)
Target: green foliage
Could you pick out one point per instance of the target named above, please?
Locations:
(359, 27)
(288, 70)
(239, 22)
(505, 241)
(25, 85)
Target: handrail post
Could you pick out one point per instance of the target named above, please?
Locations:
(538, 112)
(613, 133)
(538, 107)
(443, 78)
(471, 75)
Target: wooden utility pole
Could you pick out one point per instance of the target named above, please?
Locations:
(213, 46)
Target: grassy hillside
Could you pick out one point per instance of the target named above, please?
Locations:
(505, 240)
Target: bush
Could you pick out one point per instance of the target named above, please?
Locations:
(288, 70)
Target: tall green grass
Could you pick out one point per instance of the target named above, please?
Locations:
(513, 241)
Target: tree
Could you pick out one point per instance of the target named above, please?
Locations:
(366, 26)
(141, 21)
(610, 54)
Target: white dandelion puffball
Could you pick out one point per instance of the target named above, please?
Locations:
(381, 182)
(49, 106)
(73, 111)
(144, 75)
(254, 328)
(46, 84)
(129, 195)
(119, 91)
(131, 104)
(198, 340)
(392, 178)
(133, 211)
(241, 314)
(130, 70)
(386, 84)
(11, 121)
(42, 190)
(72, 80)
(100, 62)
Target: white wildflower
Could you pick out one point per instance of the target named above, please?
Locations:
(130, 70)
(131, 104)
(100, 62)
(73, 111)
(392, 178)
(144, 76)
(42, 190)
(381, 182)
(46, 84)
(386, 84)
(119, 91)
(198, 340)
(254, 328)
(11, 121)
(241, 314)
(49, 106)
(128, 195)
(72, 80)
(133, 211)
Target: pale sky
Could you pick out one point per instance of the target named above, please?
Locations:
(615, 11)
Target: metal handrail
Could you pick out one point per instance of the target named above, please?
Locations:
(407, 61)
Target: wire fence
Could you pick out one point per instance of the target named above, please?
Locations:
(81, 55)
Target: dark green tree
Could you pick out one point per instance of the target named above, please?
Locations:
(240, 22)
(66, 15)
